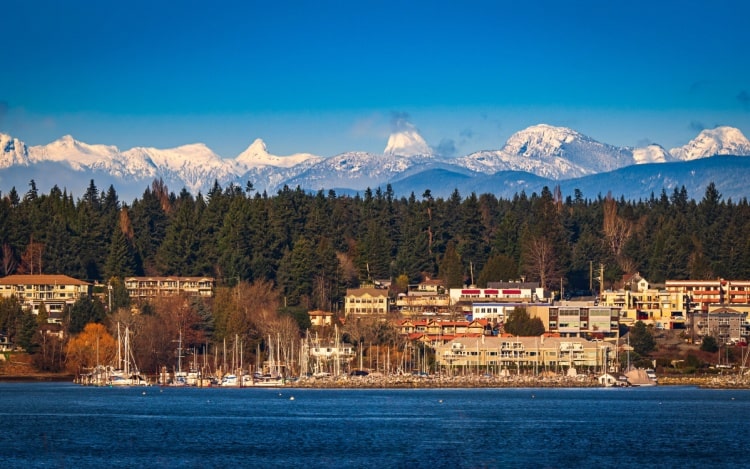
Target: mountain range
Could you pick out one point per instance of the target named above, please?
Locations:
(538, 156)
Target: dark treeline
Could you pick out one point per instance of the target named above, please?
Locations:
(311, 247)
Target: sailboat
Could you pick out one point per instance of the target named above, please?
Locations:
(274, 376)
(127, 373)
(231, 379)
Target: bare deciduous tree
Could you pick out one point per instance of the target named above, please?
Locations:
(9, 259)
(616, 229)
(540, 261)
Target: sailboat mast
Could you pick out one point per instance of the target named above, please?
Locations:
(119, 346)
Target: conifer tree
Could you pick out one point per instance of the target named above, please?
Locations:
(451, 269)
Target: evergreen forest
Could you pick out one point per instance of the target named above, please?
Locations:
(275, 257)
(312, 246)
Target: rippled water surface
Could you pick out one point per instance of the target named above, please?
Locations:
(64, 425)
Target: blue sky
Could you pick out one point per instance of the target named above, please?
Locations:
(333, 76)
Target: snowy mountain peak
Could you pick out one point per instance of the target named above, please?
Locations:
(258, 146)
(555, 145)
(650, 154)
(407, 142)
(12, 152)
(77, 154)
(719, 141)
(257, 156)
(539, 141)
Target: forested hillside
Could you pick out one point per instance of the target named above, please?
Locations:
(313, 246)
(276, 257)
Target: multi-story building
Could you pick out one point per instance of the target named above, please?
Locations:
(366, 302)
(652, 306)
(578, 321)
(437, 331)
(726, 325)
(697, 295)
(428, 298)
(320, 318)
(499, 291)
(53, 291)
(142, 288)
(494, 312)
(523, 354)
(414, 306)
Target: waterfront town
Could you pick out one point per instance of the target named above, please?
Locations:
(435, 336)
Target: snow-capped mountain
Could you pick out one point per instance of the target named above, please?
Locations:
(78, 155)
(651, 154)
(257, 156)
(546, 142)
(551, 152)
(357, 170)
(710, 142)
(538, 153)
(407, 142)
(493, 161)
(12, 152)
(194, 165)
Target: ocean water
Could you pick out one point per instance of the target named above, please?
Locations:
(65, 425)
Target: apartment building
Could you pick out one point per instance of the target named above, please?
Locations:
(726, 325)
(366, 302)
(141, 288)
(55, 292)
(528, 354)
(697, 295)
(578, 321)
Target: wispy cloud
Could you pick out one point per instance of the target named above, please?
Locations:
(697, 126)
(446, 147)
(644, 142)
(744, 98)
(400, 121)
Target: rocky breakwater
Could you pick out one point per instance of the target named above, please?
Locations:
(437, 381)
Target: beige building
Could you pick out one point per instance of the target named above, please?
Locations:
(366, 302)
(651, 306)
(54, 291)
(320, 318)
(141, 288)
(672, 306)
(491, 354)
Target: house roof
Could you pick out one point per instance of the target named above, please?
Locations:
(512, 285)
(171, 277)
(724, 309)
(318, 312)
(366, 291)
(41, 280)
(432, 282)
